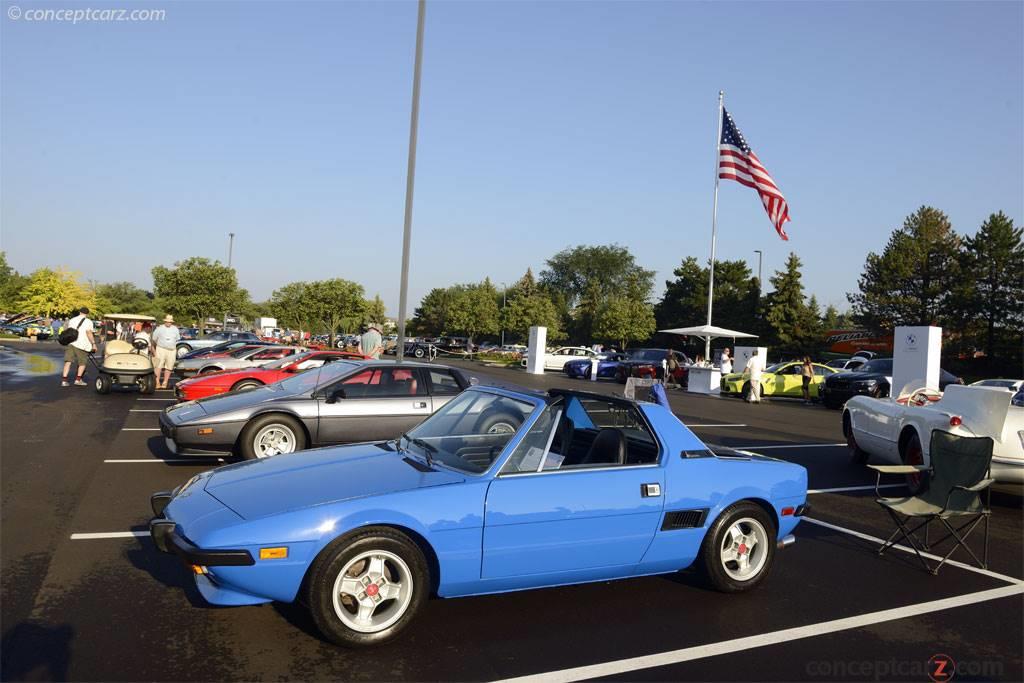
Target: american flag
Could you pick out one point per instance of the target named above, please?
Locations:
(736, 161)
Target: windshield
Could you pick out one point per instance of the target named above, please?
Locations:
(883, 366)
(469, 432)
(242, 352)
(287, 360)
(305, 382)
(647, 354)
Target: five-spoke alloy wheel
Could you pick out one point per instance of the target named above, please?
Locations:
(366, 587)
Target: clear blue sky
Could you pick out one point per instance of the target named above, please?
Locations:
(543, 125)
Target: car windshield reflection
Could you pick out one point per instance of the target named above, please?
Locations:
(469, 432)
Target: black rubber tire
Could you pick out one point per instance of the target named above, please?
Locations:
(148, 384)
(182, 349)
(246, 447)
(418, 352)
(745, 392)
(103, 383)
(332, 560)
(710, 561)
(491, 420)
(916, 483)
(247, 384)
(858, 456)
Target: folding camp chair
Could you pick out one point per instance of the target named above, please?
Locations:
(959, 472)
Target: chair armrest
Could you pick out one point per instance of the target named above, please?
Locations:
(980, 486)
(899, 469)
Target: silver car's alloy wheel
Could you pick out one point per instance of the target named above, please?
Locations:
(501, 428)
(373, 591)
(181, 351)
(744, 549)
(274, 439)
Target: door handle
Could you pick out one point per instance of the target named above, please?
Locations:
(650, 490)
(419, 404)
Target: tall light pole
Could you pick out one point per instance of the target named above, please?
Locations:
(231, 246)
(760, 285)
(410, 178)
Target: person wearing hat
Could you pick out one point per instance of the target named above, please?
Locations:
(165, 345)
(372, 342)
(79, 350)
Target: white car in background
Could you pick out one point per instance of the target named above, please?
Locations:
(555, 360)
(898, 430)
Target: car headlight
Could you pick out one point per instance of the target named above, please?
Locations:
(866, 384)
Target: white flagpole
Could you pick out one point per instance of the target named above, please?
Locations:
(714, 225)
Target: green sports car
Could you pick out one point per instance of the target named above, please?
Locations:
(781, 379)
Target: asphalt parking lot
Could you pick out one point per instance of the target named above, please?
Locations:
(86, 596)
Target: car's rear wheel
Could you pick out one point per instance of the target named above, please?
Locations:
(857, 456)
(183, 350)
(365, 589)
(247, 384)
(270, 435)
(739, 548)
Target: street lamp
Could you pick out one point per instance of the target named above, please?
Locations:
(760, 286)
(504, 289)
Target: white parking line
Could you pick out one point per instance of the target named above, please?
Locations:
(692, 426)
(140, 429)
(773, 638)
(795, 445)
(907, 549)
(109, 534)
(854, 488)
(199, 460)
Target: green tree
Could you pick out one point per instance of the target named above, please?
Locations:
(474, 310)
(322, 305)
(625, 316)
(124, 297)
(54, 292)
(581, 278)
(830, 320)
(11, 284)
(685, 301)
(431, 317)
(527, 305)
(914, 280)
(374, 311)
(197, 288)
(993, 265)
(794, 327)
(288, 305)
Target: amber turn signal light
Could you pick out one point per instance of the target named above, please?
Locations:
(273, 553)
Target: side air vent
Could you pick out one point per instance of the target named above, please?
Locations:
(684, 519)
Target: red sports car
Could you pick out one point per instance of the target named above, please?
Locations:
(213, 383)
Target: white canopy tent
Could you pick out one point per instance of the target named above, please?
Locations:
(708, 332)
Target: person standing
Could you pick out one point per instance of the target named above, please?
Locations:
(807, 372)
(726, 362)
(79, 350)
(372, 342)
(164, 349)
(755, 366)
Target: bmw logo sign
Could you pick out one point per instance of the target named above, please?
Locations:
(911, 340)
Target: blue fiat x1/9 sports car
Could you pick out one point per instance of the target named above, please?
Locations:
(496, 491)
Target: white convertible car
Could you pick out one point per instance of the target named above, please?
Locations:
(898, 430)
(555, 360)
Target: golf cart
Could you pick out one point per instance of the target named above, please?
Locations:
(126, 360)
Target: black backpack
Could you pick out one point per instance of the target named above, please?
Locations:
(69, 334)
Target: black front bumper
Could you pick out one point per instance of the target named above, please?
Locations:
(164, 533)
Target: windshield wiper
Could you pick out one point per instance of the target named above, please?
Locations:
(428, 449)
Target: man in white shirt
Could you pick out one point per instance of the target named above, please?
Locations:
(165, 350)
(755, 366)
(79, 350)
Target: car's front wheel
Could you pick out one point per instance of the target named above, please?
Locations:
(365, 589)
(247, 384)
(270, 435)
(739, 548)
(183, 350)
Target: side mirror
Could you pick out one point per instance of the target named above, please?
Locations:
(335, 395)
